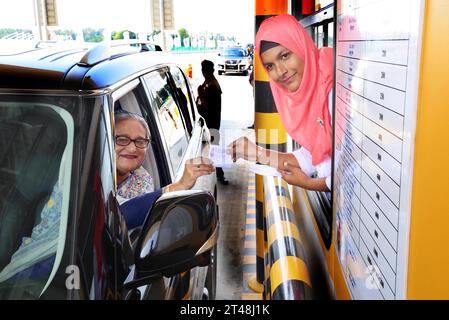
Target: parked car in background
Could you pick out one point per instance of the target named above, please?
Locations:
(61, 230)
(234, 60)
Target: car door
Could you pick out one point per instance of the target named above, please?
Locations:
(180, 145)
(204, 279)
(173, 109)
(132, 97)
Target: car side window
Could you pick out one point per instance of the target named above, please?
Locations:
(132, 98)
(183, 97)
(169, 116)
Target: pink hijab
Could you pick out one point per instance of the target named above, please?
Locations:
(305, 112)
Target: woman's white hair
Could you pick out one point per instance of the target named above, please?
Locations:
(123, 115)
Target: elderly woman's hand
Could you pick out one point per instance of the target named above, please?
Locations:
(193, 169)
(244, 148)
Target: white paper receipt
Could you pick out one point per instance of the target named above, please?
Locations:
(219, 156)
(264, 170)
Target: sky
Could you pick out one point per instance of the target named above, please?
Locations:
(193, 15)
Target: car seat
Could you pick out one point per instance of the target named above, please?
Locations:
(32, 146)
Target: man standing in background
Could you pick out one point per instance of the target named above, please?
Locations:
(209, 106)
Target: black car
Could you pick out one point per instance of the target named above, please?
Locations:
(62, 233)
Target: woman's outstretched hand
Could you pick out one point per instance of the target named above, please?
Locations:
(193, 169)
(295, 176)
(243, 148)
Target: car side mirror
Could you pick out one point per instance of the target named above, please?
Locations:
(177, 235)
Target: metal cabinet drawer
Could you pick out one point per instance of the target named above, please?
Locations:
(374, 269)
(387, 141)
(386, 74)
(379, 239)
(390, 98)
(382, 180)
(386, 226)
(380, 199)
(388, 164)
(393, 23)
(385, 118)
(387, 51)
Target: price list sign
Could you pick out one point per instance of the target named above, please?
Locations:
(377, 73)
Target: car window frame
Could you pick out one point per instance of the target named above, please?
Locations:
(190, 122)
(163, 164)
(154, 112)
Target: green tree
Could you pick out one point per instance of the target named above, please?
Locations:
(7, 31)
(183, 34)
(153, 34)
(91, 35)
(68, 34)
(117, 35)
(173, 36)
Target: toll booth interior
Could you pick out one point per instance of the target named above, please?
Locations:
(381, 232)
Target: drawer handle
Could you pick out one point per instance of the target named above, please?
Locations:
(379, 157)
(377, 215)
(369, 260)
(382, 283)
(376, 234)
(382, 75)
(382, 96)
(378, 177)
(381, 117)
(375, 253)
(384, 53)
(380, 137)
(377, 196)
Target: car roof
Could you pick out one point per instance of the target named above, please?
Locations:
(78, 67)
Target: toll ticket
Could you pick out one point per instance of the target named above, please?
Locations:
(219, 156)
(264, 170)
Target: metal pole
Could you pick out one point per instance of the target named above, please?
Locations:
(270, 132)
(161, 16)
(40, 19)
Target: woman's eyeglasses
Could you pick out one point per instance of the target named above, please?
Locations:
(125, 141)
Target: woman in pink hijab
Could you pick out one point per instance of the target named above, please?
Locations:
(301, 82)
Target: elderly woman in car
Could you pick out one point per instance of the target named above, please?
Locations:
(134, 182)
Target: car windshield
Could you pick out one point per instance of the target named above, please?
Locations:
(238, 53)
(36, 143)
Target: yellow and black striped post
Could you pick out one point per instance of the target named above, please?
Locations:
(288, 272)
(270, 132)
